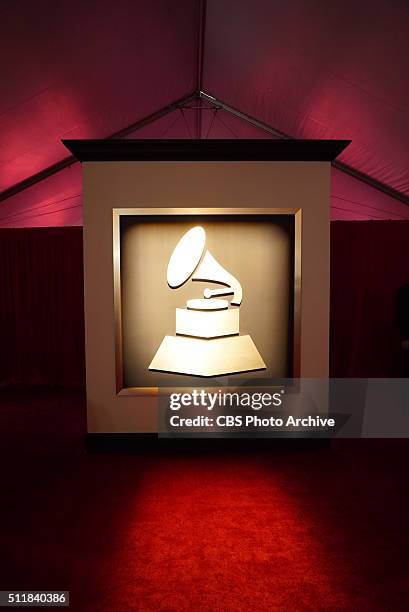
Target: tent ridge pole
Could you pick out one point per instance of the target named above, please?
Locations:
(200, 60)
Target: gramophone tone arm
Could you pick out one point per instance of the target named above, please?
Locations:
(233, 288)
(210, 293)
(211, 271)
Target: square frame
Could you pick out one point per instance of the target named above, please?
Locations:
(117, 213)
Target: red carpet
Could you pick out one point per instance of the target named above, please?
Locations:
(280, 530)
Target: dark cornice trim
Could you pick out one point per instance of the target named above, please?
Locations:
(206, 150)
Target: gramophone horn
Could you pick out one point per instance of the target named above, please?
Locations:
(186, 262)
(210, 270)
(186, 256)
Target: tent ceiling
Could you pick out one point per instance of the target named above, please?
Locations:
(86, 69)
(309, 69)
(319, 69)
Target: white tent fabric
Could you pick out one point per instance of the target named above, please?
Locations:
(309, 69)
(319, 69)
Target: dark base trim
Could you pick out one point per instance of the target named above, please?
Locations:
(150, 442)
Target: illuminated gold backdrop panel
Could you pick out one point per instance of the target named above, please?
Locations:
(257, 250)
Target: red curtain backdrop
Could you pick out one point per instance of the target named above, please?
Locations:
(41, 302)
(41, 307)
(369, 262)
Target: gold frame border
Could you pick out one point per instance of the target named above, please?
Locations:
(118, 212)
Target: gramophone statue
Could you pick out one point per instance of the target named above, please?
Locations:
(207, 341)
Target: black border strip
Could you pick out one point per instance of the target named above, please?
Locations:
(151, 442)
(206, 150)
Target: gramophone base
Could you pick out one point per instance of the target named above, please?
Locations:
(198, 357)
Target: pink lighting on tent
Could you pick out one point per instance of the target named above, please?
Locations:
(326, 71)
